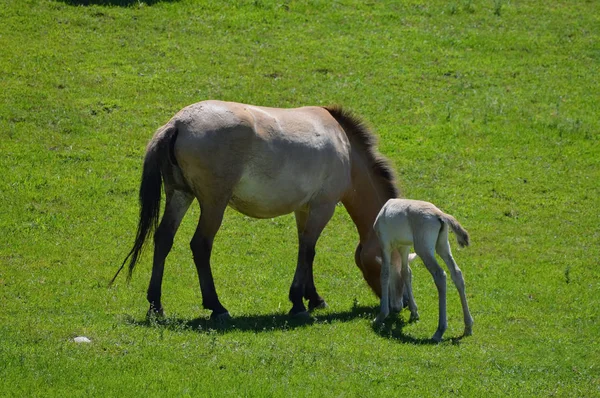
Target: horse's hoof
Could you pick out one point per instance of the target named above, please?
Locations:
(320, 305)
(301, 316)
(297, 309)
(413, 318)
(222, 317)
(154, 314)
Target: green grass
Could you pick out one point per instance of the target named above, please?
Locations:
(486, 108)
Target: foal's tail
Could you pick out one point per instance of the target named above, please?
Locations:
(158, 153)
(462, 236)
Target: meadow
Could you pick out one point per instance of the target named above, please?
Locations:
(489, 109)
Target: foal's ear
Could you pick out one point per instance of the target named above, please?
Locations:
(411, 257)
(378, 259)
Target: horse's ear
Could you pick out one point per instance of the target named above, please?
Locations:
(378, 259)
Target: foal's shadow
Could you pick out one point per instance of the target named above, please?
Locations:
(392, 329)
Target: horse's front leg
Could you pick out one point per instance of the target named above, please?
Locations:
(397, 293)
(201, 245)
(384, 306)
(315, 301)
(306, 254)
(310, 223)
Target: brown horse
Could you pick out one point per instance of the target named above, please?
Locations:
(263, 162)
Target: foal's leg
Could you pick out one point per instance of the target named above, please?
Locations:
(443, 249)
(177, 204)
(201, 245)
(403, 285)
(310, 224)
(426, 250)
(406, 276)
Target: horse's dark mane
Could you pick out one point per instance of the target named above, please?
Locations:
(359, 134)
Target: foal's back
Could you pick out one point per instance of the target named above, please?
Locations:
(401, 221)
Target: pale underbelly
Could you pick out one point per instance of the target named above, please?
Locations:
(269, 199)
(258, 210)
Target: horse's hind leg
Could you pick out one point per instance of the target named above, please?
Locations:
(201, 245)
(443, 249)
(177, 204)
(310, 224)
(397, 292)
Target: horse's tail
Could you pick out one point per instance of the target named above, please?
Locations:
(158, 155)
(462, 236)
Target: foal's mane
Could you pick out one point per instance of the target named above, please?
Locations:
(360, 136)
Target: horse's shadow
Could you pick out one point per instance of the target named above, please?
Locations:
(392, 329)
(253, 323)
(114, 3)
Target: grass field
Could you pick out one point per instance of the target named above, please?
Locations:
(487, 108)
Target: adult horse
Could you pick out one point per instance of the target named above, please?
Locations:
(263, 162)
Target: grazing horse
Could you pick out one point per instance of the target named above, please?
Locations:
(402, 223)
(263, 162)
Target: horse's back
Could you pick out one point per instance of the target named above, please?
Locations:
(270, 160)
(220, 116)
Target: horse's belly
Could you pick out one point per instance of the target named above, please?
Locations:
(267, 198)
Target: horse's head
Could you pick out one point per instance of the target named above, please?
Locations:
(368, 260)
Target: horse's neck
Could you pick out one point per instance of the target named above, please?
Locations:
(364, 200)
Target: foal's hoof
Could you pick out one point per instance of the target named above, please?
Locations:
(222, 317)
(437, 337)
(413, 318)
(395, 310)
(468, 331)
(405, 301)
(379, 320)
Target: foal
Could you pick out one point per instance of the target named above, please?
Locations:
(402, 223)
